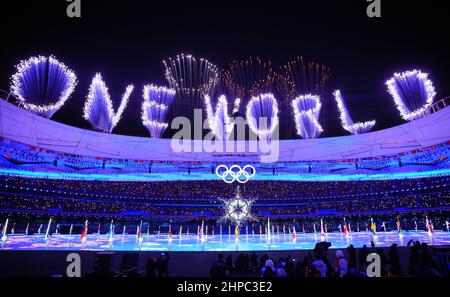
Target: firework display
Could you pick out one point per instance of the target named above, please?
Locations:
(346, 120)
(301, 77)
(219, 120)
(155, 106)
(249, 78)
(98, 109)
(262, 115)
(413, 93)
(43, 84)
(296, 77)
(306, 114)
(192, 78)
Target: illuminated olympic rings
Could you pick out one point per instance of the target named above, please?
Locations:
(235, 173)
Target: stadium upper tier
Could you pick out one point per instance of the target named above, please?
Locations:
(44, 148)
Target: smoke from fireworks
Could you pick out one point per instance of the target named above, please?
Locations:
(155, 106)
(192, 79)
(306, 115)
(98, 109)
(346, 119)
(43, 84)
(413, 93)
(262, 115)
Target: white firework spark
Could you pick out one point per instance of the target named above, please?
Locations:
(262, 115)
(43, 84)
(249, 78)
(413, 93)
(157, 101)
(219, 120)
(98, 109)
(346, 119)
(237, 209)
(192, 79)
(306, 115)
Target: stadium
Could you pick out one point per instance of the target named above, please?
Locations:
(235, 160)
(94, 189)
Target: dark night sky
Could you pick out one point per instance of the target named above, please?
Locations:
(127, 40)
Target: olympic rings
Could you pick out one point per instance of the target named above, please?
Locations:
(235, 173)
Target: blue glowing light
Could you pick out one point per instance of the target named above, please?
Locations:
(208, 176)
(306, 115)
(43, 84)
(155, 106)
(98, 109)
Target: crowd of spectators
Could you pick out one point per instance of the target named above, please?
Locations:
(320, 263)
(186, 202)
(351, 262)
(212, 189)
(22, 153)
(350, 207)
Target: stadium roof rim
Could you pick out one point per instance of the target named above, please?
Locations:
(19, 125)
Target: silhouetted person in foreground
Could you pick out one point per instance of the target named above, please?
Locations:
(246, 263)
(103, 265)
(129, 265)
(163, 265)
(219, 268)
(290, 265)
(320, 256)
(394, 260)
(253, 261)
(269, 269)
(414, 256)
(150, 266)
(384, 262)
(427, 265)
(230, 266)
(351, 258)
(362, 257)
(341, 266)
(262, 260)
(281, 268)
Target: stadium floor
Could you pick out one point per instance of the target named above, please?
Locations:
(251, 242)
